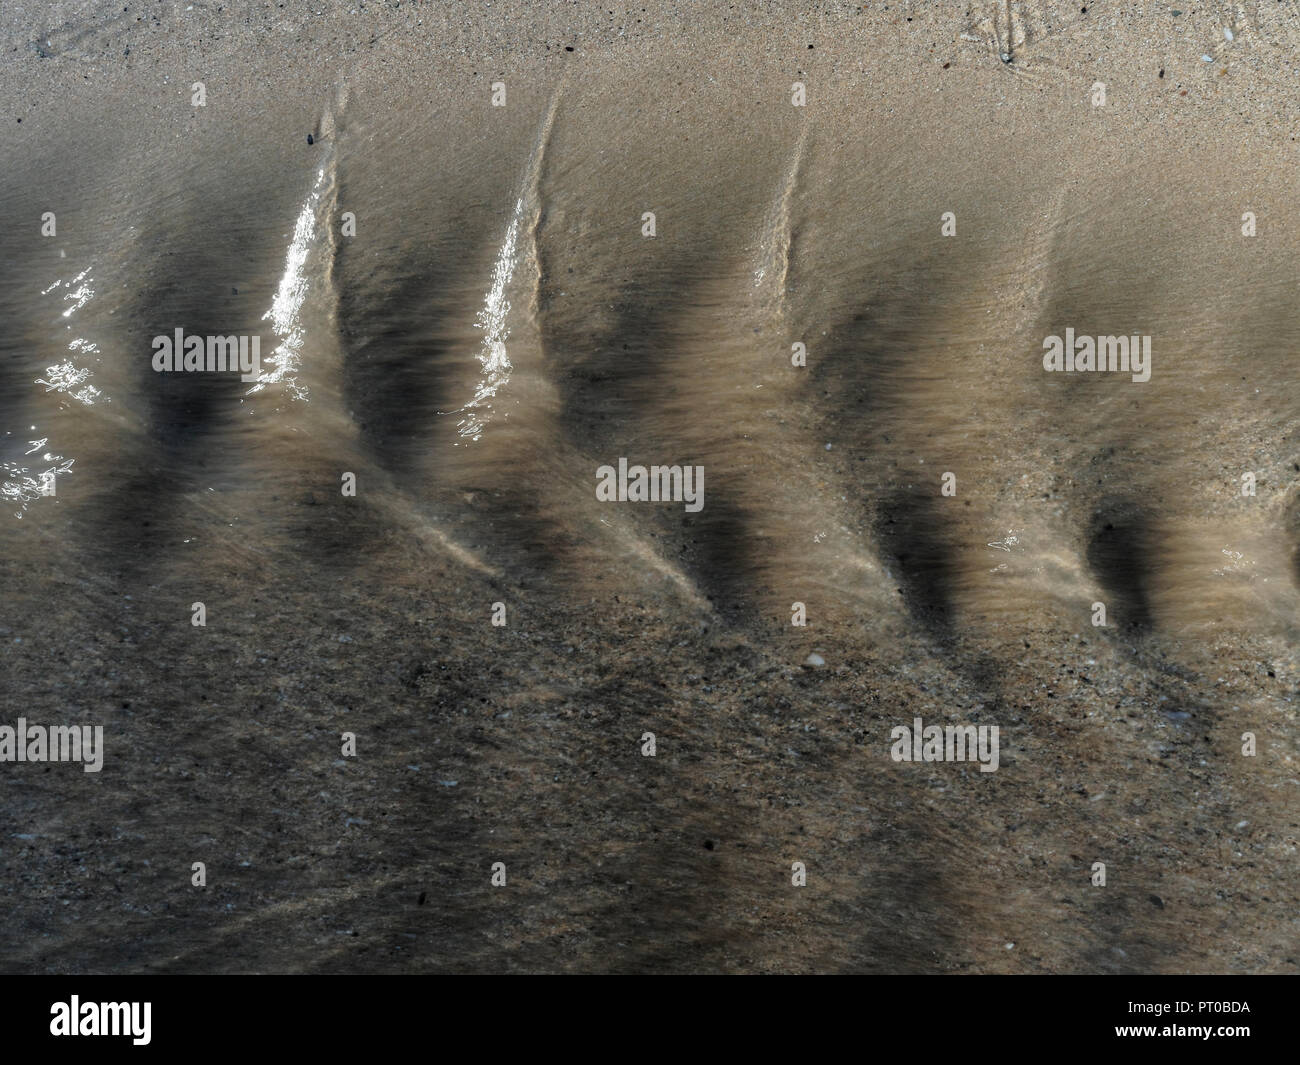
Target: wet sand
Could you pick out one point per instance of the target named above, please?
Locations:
(495, 330)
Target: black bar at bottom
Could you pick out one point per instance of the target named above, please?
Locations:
(342, 1014)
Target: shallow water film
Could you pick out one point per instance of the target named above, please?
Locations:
(807, 489)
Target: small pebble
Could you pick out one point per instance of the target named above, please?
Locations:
(1207, 59)
(814, 660)
(310, 139)
(1227, 32)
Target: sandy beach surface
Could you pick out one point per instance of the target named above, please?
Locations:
(460, 306)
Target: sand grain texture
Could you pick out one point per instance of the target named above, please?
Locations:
(521, 227)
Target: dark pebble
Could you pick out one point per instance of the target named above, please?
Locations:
(423, 896)
(568, 48)
(1157, 901)
(309, 139)
(708, 844)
